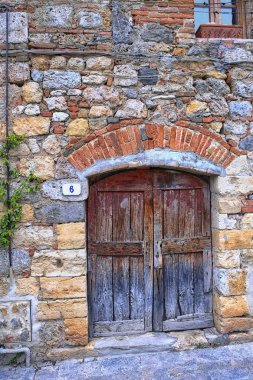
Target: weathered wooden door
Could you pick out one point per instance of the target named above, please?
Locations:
(149, 253)
(120, 254)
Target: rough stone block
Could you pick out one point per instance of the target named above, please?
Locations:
(247, 257)
(21, 262)
(247, 222)
(148, 76)
(100, 111)
(228, 325)
(54, 79)
(102, 95)
(59, 263)
(4, 286)
(78, 127)
(32, 110)
(240, 166)
(236, 306)
(76, 332)
(230, 282)
(232, 239)
(19, 72)
(232, 186)
(56, 103)
(94, 79)
(240, 108)
(40, 63)
(54, 16)
(227, 259)
(58, 62)
(247, 143)
(196, 107)
(70, 235)
(41, 166)
(32, 93)
(18, 27)
(98, 63)
(236, 55)
(27, 286)
(125, 71)
(33, 236)
(235, 127)
(27, 213)
(73, 308)
(121, 25)
(90, 20)
(153, 32)
(63, 287)
(4, 262)
(228, 205)
(132, 108)
(223, 221)
(76, 63)
(60, 116)
(15, 322)
(31, 126)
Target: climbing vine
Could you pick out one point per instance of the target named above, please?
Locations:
(11, 196)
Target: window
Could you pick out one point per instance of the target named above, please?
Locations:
(226, 12)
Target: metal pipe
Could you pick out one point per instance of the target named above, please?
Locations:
(6, 9)
(24, 350)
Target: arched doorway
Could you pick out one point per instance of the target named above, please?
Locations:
(149, 253)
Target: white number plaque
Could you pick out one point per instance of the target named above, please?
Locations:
(71, 189)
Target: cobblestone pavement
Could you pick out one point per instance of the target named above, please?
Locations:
(222, 363)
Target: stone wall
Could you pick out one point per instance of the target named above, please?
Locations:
(111, 79)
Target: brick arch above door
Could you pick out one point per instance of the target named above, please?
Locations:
(202, 151)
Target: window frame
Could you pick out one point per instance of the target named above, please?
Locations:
(215, 14)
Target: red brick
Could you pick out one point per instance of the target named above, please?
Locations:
(77, 165)
(103, 145)
(138, 140)
(228, 161)
(173, 137)
(46, 114)
(246, 209)
(115, 143)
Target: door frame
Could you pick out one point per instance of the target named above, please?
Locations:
(97, 178)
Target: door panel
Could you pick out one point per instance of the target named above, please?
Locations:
(149, 253)
(182, 253)
(120, 276)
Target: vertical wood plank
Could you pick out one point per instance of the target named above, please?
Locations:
(185, 283)
(91, 214)
(198, 213)
(171, 214)
(158, 261)
(206, 212)
(136, 216)
(170, 280)
(148, 258)
(199, 298)
(92, 304)
(208, 269)
(104, 216)
(121, 216)
(186, 213)
(121, 304)
(104, 291)
(136, 288)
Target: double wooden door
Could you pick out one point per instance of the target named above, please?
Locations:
(149, 253)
